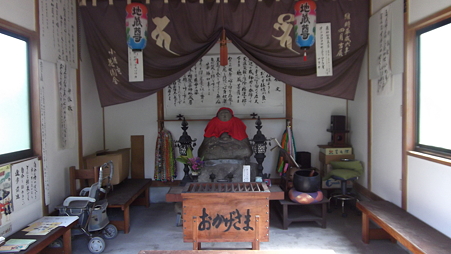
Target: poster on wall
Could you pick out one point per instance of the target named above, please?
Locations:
(58, 31)
(5, 200)
(25, 183)
(240, 85)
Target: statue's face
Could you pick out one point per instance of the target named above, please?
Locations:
(224, 115)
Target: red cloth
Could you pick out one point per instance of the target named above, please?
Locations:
(234, 127)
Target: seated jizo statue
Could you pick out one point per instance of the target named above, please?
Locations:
(225, 138)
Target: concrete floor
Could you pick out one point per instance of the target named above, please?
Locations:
(154, 228)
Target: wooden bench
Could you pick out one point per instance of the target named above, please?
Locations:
(128, 192)
(398, 224)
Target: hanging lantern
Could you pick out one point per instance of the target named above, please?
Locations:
(223, 53)
(136, 26)
(304, 26)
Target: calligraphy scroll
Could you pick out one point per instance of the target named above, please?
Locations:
(67, 105)
(386, 56)
(43, 132)
(58, 31)
(241, 85)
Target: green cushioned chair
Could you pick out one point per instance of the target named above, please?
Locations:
(344, 171)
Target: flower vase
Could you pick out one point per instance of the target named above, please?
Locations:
(194, 176)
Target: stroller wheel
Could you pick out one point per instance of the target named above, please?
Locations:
(110, 231)
(96, 245)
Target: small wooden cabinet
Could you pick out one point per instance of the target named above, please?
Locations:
(332, 153)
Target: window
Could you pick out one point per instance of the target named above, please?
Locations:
(428, 88)
(434, 88)
(16, 136)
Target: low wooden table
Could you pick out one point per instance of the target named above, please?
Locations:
(308, 212)
(126, 193)
(42, 241)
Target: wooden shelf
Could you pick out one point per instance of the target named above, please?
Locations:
(243, 119)
(288, 109)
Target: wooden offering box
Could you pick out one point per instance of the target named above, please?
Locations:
(226, 212)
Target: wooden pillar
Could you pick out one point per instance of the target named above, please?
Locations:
(137, 156)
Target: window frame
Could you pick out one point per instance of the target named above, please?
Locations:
(31, 37)
(411, 95)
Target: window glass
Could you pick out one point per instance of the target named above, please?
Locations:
(434, 87)
(15, 125)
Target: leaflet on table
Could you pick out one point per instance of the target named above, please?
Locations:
(63, 220)
(16, 245)
(47, 223)
(41, 228)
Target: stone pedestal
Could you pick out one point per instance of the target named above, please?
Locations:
(222, 168)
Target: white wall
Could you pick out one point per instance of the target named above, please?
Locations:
(428, 182)
(133, 118)
(311, 119)
(421, 9)
(58, 159)
(91, 111)
(358, 121)
(386, 124)
(428, 191)
(387, 143)
(22, 13)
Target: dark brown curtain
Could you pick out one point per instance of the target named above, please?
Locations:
(181, 33)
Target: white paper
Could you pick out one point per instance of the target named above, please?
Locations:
(323, 50)
(246, 173)
(135, 66)
(63, 220)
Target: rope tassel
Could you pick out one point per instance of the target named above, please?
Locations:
(223, 53)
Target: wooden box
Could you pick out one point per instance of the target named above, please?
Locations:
(226, 212)
(121, 163)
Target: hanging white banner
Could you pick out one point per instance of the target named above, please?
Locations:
(43, 134)
(135, 66)
(67, 105)
(323, 50)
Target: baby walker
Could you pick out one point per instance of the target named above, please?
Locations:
(91, 207)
